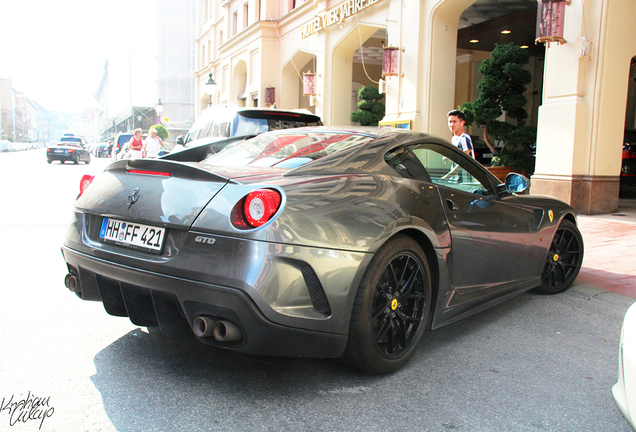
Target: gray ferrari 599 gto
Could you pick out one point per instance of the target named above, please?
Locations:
(316, 242)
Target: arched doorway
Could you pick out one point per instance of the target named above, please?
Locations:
(481, 27)
(239, 83)
(343, 65)
(367, 65)
(628, 167)
(630, 113)
(292, 95)
(204, 103)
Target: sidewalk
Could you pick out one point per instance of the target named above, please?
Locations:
(609, 261)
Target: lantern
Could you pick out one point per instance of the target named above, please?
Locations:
(309, 84)
(550, 19)
(390, 61)
(270, 95)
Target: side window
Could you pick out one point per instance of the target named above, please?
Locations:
(406, 164)
(450, 169)
(207, 131)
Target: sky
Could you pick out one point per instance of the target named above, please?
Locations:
(55, 51)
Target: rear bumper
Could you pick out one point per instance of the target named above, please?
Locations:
(172, 304)
(628, 171)
(62, 157)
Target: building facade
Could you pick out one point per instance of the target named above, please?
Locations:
(24, 120)
(580, 100)
(150, 58)
(14, 113)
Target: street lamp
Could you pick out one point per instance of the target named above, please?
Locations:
(210, 87)
(159, 109)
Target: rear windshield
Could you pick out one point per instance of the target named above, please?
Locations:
(70, 139)
(284, 150)
(123, 139)
(254, 126)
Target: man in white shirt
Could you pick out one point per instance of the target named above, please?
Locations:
(460, 139)
(152, 144)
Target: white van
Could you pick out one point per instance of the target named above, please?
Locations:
(228, 121)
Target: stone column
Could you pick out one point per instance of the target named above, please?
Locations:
(581, 120)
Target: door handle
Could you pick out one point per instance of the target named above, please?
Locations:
(451, 205)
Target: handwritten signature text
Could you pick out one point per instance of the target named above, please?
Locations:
(29, 408)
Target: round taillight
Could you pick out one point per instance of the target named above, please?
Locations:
(86, 180)
(260, 206)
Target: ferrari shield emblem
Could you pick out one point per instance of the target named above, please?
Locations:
(550, 215)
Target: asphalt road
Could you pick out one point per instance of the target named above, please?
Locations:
(535, 363)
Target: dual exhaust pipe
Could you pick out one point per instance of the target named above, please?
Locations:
(221, 330)
(71, 282)
(203, 326)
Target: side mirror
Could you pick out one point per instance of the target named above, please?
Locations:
(516, 183)
(180, 139)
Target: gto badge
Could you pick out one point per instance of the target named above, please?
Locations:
(205, 240)
(133, 197)
(550, 215)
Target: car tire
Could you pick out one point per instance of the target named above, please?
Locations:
(88, 160)
(564, 260)
(48, 161)
(389, 316)
(76, 160)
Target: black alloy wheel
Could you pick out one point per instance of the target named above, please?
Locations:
(564, 260)
(391, 309)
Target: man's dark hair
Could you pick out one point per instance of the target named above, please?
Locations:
(457, 113)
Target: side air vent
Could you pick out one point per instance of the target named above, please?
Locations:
(316, 292)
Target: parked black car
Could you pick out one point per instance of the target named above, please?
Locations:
(69, 149)
(483, 154)
(103, 150)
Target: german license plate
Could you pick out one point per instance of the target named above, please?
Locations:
(134, 235)
(58, 151)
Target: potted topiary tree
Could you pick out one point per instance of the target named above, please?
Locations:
(161, 131)
(502, 91)
(370, 111)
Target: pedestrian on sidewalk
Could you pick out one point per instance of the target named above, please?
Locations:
(152, 144)
(460, 139)
(136, 145)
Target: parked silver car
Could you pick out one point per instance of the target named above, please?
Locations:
(315, 242)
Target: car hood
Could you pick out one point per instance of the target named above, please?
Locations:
(167, 193)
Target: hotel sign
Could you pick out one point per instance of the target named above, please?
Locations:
(335, 15)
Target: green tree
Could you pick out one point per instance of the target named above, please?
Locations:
(502, 91)
(161, 131)
(370, 111)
